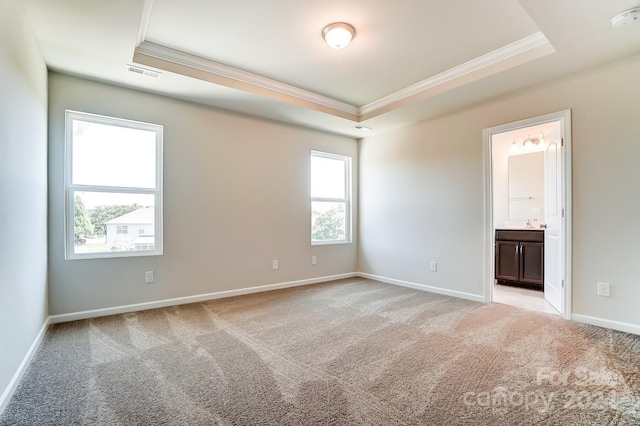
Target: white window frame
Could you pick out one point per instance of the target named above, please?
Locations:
(70, 188)
(347, 200)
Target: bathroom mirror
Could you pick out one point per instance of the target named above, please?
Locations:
(526, 187)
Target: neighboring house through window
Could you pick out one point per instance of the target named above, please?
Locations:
(330, 198)
(113, 181)
(140, 219)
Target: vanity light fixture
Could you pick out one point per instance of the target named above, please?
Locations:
(528, 143)
(338, 35)
(516, 145)
(537, 139)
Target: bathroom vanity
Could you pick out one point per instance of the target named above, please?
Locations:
(520, 257)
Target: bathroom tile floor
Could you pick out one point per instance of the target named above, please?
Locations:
(523, 298)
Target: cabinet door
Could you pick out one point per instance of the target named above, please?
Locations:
(532, 263)
(507, 260)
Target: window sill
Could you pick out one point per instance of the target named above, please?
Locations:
(332, 242)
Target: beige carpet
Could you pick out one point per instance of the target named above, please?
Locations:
(346, 352)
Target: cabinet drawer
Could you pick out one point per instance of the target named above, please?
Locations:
(533, 236)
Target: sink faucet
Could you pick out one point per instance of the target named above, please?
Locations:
(529, 224)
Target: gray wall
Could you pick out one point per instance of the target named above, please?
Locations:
(236, 196)
(421, 191)
(23, 190)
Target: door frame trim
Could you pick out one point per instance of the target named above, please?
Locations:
(489, 238)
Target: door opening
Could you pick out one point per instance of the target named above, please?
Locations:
(528, 190)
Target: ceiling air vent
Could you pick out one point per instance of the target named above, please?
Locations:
(143, 71)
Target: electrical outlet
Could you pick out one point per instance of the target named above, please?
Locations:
(433, 266)
(604, 289)
(274, 263)
(148, 277)
(314, 260)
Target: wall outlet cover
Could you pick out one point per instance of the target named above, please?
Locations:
(604, 289)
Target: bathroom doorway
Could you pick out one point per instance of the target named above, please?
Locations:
(527, 196)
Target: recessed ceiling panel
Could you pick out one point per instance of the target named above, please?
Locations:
(397, 43)
(410, 59)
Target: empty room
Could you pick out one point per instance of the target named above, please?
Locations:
(286, 212)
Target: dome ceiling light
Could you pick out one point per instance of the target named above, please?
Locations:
(338, 35)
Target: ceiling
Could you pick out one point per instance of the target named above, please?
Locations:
(410, 59)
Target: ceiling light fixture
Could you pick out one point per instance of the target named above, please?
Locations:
(338, 35)
(627, 17)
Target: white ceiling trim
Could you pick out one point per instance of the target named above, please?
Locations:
(220, 73)
(147, 6)
(168, 59)
(503, 55)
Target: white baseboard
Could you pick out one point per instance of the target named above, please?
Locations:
(424, 287)
(74, 316)
(13, 384)
(601, 322)
(54, 319)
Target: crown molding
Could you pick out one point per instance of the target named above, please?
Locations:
(168, 59)
(193, 66)
(147, 7)
(501, 55)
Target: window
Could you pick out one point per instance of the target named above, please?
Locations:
(113, 181)
(330, 198)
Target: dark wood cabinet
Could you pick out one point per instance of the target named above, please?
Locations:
(520, 257)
